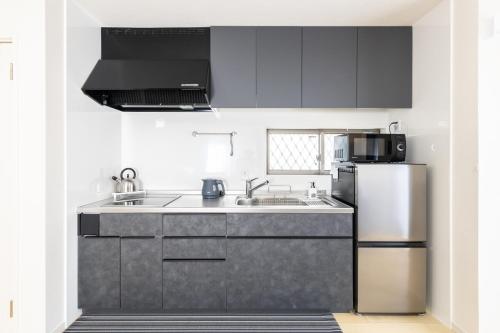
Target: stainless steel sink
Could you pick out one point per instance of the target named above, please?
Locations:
(273, 201)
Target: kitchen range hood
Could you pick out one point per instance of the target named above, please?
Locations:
(157, 69)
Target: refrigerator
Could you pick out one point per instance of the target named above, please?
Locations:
(390, 231)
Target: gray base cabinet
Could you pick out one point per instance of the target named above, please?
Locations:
(289, 274)
(99, 273)
(194, 285)
(141, 273)
(216, 263)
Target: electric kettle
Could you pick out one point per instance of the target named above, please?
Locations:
(212, 188)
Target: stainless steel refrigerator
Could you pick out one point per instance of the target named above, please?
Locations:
(390, 234)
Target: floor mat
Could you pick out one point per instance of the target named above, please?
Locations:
(204, 323)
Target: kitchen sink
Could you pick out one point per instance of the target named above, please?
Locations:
(274, 201)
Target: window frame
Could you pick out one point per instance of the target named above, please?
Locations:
(320, 132)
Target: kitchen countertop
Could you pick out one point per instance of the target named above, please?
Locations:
(194, 203)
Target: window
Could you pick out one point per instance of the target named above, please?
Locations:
(297, 151)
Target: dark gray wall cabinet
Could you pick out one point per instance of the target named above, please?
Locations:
(141, 273)
(99, 273)
(384, 67)
(289, 274)
(233, 67)
(312, 67)
(329, 67)
(279, 57)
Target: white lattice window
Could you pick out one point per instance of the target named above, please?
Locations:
(302, 151)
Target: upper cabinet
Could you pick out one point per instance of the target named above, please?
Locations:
(311, 67)
(329, 67)
(384, 67)
(279, 57)
(233, 67)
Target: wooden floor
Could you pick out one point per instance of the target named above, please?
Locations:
(351, 323)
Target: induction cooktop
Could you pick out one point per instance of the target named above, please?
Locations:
(144, 202)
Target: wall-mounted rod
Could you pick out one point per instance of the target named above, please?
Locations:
(231, 134)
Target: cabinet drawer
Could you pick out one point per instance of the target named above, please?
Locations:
(194, 248)
(194, 225)
(130, 225)
(194, 285)
(283, 225)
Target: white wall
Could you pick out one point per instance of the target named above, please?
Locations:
(464, 165)
(167, 156)
(93, 137)
(55, 167)
(489, 178)
(427, 127)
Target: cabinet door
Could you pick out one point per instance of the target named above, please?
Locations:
(98, 273)
(279, 51)
(194, 285)
(384, 67)
(290, 274)
(329, 67)
(233, 67)
(141, 273)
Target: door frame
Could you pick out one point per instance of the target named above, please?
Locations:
(12, 251)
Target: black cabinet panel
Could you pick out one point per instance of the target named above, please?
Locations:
(141, 273)
(283, 225)
(194, 285)
(384, 67)
(233, 67)
(290, 274)
(279, 51)
(130, 225)
(329, 67)
(99, 273)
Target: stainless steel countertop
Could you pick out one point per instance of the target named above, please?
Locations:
(194, 203)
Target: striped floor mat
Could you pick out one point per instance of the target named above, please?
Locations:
(204, 323)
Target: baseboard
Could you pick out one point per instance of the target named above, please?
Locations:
(60, 328)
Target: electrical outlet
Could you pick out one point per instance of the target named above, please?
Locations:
(398, 127)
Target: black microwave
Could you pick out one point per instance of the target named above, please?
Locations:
(370, 147)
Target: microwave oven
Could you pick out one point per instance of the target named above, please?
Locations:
(370, 147)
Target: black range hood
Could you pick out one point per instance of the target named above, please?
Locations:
(157, 69)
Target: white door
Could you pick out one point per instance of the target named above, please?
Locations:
(9, 202)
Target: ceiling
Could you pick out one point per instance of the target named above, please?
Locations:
(171, 13)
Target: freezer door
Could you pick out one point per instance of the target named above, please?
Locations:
(391, 280)
(391, 201)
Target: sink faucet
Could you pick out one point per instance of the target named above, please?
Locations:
(249, 189)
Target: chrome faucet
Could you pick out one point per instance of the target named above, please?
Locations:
(249, 189)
